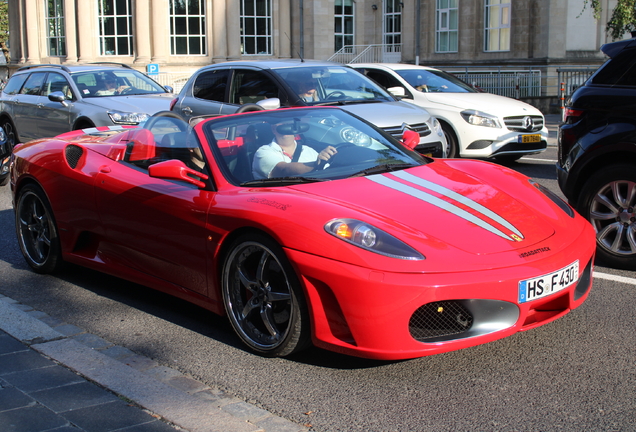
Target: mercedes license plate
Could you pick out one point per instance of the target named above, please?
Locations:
(534, 138)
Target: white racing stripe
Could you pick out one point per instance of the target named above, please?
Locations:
(615, 278)
(444, 205)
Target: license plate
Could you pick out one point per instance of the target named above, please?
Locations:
(530, 138)
(536, 288)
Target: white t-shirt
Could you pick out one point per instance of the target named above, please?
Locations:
(268, 156)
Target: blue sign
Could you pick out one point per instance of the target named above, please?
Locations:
(152, 69)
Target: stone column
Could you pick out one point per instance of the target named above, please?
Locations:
(141, 15)
(219, 31)
(32, 32)
(87, 31)
(233, 29)
(160, 30)
(284, 30)
(70, 31)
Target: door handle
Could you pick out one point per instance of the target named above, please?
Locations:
(187, 111)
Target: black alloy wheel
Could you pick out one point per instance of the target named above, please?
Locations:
(263, 298)
(36, 230)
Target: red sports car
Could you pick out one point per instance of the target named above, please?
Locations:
(304, 226)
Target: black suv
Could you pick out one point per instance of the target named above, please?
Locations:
(597, 154)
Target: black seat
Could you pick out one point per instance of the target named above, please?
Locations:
(257, 135)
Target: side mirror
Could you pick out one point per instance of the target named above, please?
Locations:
(397, 91)
(169, 89)
(175, 169)
(410, 138)
(269, 104)
(58, 96)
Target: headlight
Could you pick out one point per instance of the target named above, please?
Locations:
(119, 117)
(554, 197)
(477, 118)
(354, 136)
(436, 126)
(371, 238)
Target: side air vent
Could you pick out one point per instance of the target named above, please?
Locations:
(73, 154)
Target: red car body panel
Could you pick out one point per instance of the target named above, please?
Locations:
(171, 236)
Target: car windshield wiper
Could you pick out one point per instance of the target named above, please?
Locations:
(379, 169)
(282, 181)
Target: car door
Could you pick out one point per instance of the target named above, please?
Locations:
(207, 95)
(154, 226)
(54, 118)
(25, 107)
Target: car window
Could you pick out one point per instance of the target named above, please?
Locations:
(385, 79)
(125, 82)
(251, 86)
(56, 82)
(332, 84)
(436, 81)
(235, 141)
(620, 70)
(15, 84)
(33, 84)
(211, 85)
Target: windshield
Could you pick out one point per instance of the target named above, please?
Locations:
(322, 85)
(306, 144)
(426, 80)
(105, 83)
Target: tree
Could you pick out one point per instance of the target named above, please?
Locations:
(623, 18)
(4, 21)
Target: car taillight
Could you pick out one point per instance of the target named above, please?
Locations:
(173, 103)
(572, 115)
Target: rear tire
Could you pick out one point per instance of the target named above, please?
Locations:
(36, 230)
(608, 201)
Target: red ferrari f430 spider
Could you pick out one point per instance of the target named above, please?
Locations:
(306, 225)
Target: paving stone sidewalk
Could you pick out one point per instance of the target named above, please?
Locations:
(55, 377)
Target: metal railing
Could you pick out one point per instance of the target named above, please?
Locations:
(514, 83)
(377, 53)
(176, 80)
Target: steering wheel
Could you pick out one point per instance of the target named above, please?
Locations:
(336, 158)
(249, 107)
(126, 90)
(169, 116)
(336, 94)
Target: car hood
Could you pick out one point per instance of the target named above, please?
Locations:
(486, 102)
(388, 114)
(149, 104)
(442, 208)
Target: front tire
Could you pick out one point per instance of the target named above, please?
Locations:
(452, 146)
(263, 297)
(608, 201)
(36, 230)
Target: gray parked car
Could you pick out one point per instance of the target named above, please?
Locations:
(46, 100)
(223, 88)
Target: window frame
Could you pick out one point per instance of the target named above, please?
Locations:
(447, 31)
(341, 37)
(501, 29)
(56, 33)
(117, 36)
(252, 21)
(191, 38)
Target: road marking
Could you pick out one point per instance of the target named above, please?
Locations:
(615, 278)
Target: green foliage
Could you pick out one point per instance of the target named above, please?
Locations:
(623, 18)
(4, 21)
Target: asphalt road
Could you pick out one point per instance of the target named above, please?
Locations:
(578, 373)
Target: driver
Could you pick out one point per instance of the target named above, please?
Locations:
(285, 157)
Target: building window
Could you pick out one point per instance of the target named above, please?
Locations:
(497, 29)
(115, 27)
(187, 27)
(392, 33)
(447, 26)
(55, 23)
(344, 23)
(256, 27)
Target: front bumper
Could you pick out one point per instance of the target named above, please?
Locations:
(367, 313)
(485, 143)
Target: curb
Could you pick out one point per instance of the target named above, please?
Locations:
(177, 398)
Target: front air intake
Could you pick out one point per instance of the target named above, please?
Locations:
(440, 319)
(73, 154)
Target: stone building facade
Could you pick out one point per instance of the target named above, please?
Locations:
(178, 35)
